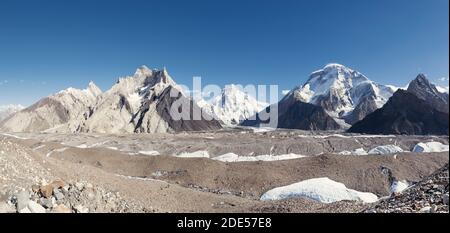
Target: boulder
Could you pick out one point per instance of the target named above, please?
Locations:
(46, 190)
(35, 207)
(22, 200)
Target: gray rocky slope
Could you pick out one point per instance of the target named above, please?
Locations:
(141, 103)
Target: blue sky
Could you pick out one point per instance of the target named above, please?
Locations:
(46, 46)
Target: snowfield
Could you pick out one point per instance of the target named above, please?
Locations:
(427, 147)
(386, 149)
(399, 186)
(231, 157)
(323, 190)
(196, 154)
(379, 150)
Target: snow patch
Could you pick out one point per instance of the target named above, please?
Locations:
(196, 154)
(150, 152)
(359, 151)
(386, 149)
(399, 186)
(232, 157)
(140, 178)
(82, 146)
(323, 190)
(428, 147)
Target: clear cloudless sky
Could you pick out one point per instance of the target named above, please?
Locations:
(49, 45)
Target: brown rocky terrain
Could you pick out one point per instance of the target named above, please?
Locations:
(121, 176)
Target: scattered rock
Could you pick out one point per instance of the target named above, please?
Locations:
(35, 188)
(57, 184)
(58, 194)
(427, 196)
(46, 202)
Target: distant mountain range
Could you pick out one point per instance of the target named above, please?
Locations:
(333, 98)
(136, 104)
(8, 110)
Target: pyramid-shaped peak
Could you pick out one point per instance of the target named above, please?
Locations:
(420, 82)
(422, 78)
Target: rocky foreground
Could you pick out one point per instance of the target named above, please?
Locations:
(428, 196)
(61, 197)
(51, 173)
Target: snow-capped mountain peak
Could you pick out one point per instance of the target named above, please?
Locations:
(143, 71)
(233, 105)
(339, 90)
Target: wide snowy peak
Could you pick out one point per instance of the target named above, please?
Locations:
(233, 105)
(340, 90)
(140, 104)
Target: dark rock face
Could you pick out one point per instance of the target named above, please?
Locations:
(404, 113)
(294, 114)
(364, 108)
(426, 91)
(189, 122)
